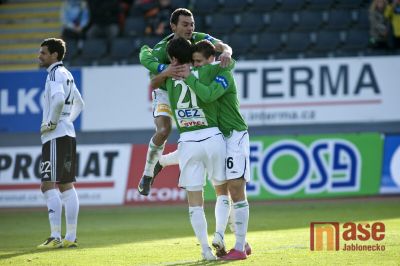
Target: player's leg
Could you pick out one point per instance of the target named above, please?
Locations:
(68, 194)
(157, 143)
(168, 159)
(198, 220)
(192, 165)
(215, 165)
(222, 209)
(240, 208)
(71, 203)
(51, 194)
(237, 170)
(162, 120)
(231, 223)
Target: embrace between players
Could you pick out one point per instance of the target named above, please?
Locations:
(213, 135)
(213, 141)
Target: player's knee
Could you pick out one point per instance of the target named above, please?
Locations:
(221, 190)
(237, 189)
(164, 131)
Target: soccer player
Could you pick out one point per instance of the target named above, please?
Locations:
(182, 25)
(232, 125)
(201, 144)
(62, 105)
(204, 53)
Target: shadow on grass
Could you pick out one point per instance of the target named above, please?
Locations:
(108, 226)
(199, 262)
(27, 252)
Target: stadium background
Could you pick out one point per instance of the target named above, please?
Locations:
(321, 106)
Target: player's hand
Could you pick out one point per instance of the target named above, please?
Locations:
(186, 71)
(174, 71)
(225, 59)
(47, 126)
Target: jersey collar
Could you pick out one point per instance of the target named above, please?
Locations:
(54, 65)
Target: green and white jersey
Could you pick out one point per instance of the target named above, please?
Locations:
(213, 84)
(156, 59)
(189, 111)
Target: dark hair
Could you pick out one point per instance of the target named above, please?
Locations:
(179, 11)
(205, 47)
(55, 45)
(181, 49)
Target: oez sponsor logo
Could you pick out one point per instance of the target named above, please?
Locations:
(326, 165)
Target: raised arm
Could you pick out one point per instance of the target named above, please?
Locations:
(159, 71)
(226, 53)
(149, 61)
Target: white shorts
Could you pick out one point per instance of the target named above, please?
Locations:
(200, 158)
(161, 104)
(238, 156)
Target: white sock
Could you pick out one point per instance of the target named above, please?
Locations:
(153, 155)
(171, 158)
(199, 224)
(54, 208)
(231, 221)
(241, 213)
(222, 208)
(71, 203)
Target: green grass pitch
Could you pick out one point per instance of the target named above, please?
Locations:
(161, 235)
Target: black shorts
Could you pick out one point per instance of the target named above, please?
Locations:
(59, 160)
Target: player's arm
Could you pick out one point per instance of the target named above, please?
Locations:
(149, 61)
(158, 82)
(77, 106)
(226, 53)
(172, 71)
(216, 67)
(160, 71)
(56, 106)
(211, 92)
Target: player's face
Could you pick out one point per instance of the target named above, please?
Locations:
(45, 58)
(200, 60)
(184, 28)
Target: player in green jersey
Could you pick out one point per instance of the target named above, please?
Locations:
(156, 60)
(201, 144)
(222, 207)
(221, 86)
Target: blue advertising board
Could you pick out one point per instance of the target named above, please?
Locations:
(390, 182)
(21, 96)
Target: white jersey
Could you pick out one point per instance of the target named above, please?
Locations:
(58, 80)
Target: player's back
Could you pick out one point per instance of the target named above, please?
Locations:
(190, 112)
(229, 117)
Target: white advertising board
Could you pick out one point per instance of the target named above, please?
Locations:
(116, 98)
(335, 90)
(284, 92)
(102, 174)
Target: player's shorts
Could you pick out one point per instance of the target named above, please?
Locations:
(59, 160)
(198, 159)
(161, 104)
(238, 156)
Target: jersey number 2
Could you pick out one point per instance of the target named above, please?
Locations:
(70, 82)
(185, 88)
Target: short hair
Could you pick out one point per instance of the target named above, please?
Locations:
(55, 45)
(179, 11)
(181, 49)
(205, 47)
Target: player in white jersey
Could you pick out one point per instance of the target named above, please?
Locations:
(62, 105)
